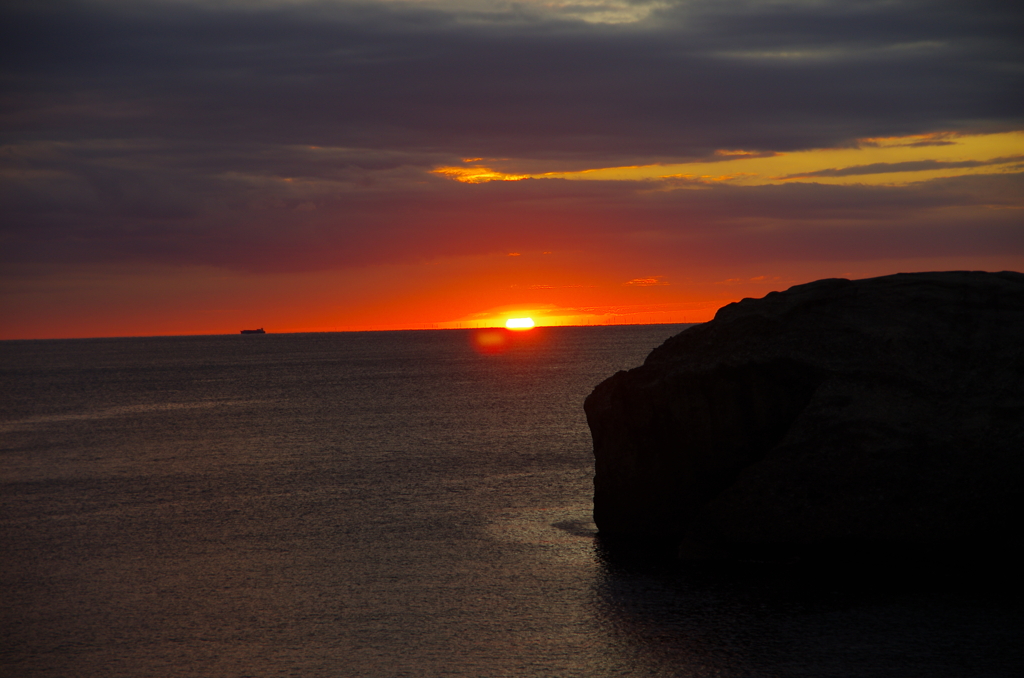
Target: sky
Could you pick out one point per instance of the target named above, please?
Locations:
(172, 167)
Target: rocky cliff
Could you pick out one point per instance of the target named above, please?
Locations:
(885, 411)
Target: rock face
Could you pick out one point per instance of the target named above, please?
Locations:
(885, 411)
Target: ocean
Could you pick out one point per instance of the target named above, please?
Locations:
(390, 504)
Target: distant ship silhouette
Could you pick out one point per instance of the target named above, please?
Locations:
(259, 331)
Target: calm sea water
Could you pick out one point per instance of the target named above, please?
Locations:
(386, 504)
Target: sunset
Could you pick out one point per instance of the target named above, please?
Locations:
(532, 338)
(519, 323)
(197, 167)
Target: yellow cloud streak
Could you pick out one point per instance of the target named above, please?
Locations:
(477, 175)
(907, 159)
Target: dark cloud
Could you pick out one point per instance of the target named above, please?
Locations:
(682, 83)
(278, 226)
(908, 166)
(295, 136)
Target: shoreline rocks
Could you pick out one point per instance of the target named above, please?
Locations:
(885, 413)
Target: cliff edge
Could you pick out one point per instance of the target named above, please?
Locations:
(886, 411)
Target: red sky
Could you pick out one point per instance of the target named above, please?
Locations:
(201, 167)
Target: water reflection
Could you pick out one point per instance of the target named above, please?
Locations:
(386, 504)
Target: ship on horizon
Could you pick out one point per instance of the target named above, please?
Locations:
(259, 331)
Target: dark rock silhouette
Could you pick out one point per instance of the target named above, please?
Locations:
(839, 414)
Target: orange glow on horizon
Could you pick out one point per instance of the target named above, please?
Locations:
(569, 290)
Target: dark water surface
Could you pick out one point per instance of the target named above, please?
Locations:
(386, 504)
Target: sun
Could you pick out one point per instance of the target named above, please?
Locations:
(519, 324)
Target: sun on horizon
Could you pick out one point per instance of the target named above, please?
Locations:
(519, 324)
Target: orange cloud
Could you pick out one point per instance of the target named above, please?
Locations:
(646, 282)
(477, 175)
